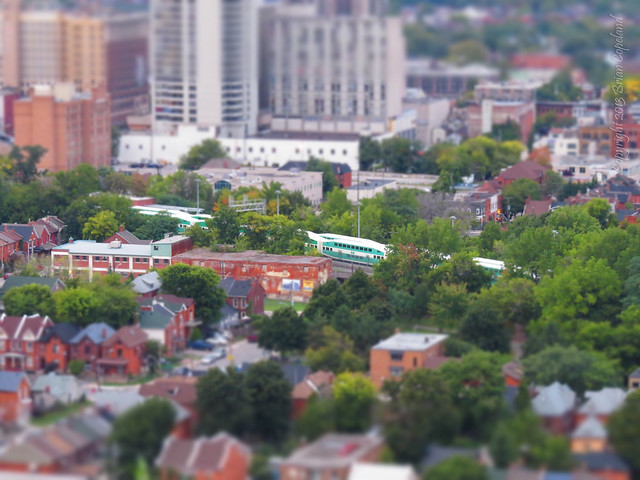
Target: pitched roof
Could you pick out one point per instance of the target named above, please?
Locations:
(96, 332)
(554, 400)
(334, 450)
(64, 331)
(10, 381)
(27, 326)
(24, 231)
(20, 281)
(189, 457)
(179, 389)
(173, 302)
(590, 428)
(147, 283)
(318, 383)
(236, 288)
(540, 61)
(526, 169)
(635, 373)
(603, 402)
(130, 336)
(537, 207)
(15, 236)
(129, 238)
(158, 318)
(513, 370)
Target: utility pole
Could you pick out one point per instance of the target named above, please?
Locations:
(278, 213)
(198, 194)
(358, 205)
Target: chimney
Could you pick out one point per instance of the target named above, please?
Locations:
(122, 228)
(70, 239)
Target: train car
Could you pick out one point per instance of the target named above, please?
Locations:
(347, 249)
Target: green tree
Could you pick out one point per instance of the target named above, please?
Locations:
(579, 369)
(223, 403)
(582, 291)
(599, 209)
(354, 396)
(156, 226)
(468, 51)
(553, 183)
(359, 289)
(115, 302)
(270, 399)
(333, 351)
(369, 152)
(100, 226)
(515, 300)
(560, 88)
(326, 299)
(76, 367)
(25, 162)
(516, 193)
(198, 283)
(226, 224)
(284, 332)
(477, 386)
(139, 432)
(200, 154)
(407, 429)
(337, 203)
(28, 300)
(623, 427)
(484, 327)
(399, 154)
(317, 418)
(457, 468)
(503, 448)
(505, 131)
(75, 305)
(329, 180)
(448, 305)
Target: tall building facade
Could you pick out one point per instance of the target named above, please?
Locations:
(335, 66)
(204, 57)
(74, 128)
(88, 49)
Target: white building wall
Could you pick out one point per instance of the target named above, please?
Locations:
(263, 152)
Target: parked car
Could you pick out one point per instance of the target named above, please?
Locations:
(213, 357)
(200, 345)
(218, 339)
(252, 338)
(137, 165)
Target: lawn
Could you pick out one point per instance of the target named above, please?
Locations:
(57, 415)
(271, 304)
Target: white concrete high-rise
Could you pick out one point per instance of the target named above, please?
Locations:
(204, 61)
(334, 66)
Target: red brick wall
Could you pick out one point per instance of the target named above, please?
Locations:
(10, 405)
(236, 467)
(133, 355)
(49, 355)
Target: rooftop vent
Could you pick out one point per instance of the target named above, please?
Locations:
(115, 244)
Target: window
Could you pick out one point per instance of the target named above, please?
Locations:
(29, 346)
(306, 269)
(244, 303)
(166, 261)
(87, 349)
(583, 170)
(396, 371)
(235, 303)
(56, 348)
(96, 259)
(264, 268)
(119, 353)
(396, 356)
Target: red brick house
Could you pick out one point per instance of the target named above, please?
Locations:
(54, 349)
(54, 227)
(161, 325)
(555, 404)
(537, 207)
(318, 383)
(18, 341)
(246, 296)
(527, 169)
(8, 245)
(86, 345)
(32, 236)
(221, 457)
(512, 373)
(183, 319)
(124, 352)
(15, 397)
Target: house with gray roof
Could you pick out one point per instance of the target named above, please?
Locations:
(246, 296)
(601, 403)
(160, 324)
(147, 284)
(590, 436)
(556, 404)
(15, 391)
(86, 345)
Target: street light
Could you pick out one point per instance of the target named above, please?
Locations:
(198, 195)
(358, 204)
(277, 202)
(453, 219)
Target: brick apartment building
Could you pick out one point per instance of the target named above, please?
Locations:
(277, 274)
(74, 128)
(403, 352)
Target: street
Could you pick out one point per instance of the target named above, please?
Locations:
(237, 353)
